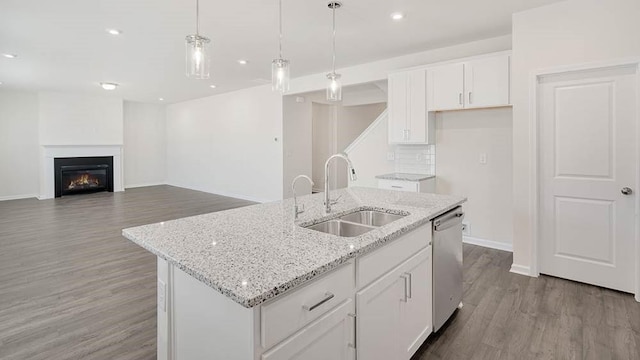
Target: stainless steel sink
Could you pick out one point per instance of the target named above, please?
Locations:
(371, 218)
(341, 228)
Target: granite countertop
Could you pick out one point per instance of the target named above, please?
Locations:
(255, 253)
(405, 177)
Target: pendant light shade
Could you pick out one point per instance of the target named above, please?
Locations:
(280, 67)
(198, 57)
(334, 86)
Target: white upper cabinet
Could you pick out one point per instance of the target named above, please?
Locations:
(476, 83)
(486, 82)
(409, 122)
(446, 87)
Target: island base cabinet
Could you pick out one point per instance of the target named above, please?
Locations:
(394, 312)
(329, 337)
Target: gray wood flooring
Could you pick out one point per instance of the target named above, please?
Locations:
(72, 288)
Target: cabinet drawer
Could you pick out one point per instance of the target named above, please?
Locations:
(284, 316)
(377, 263)
(410, 186)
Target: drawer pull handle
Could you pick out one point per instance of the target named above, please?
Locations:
(327, 296)
(396, 187)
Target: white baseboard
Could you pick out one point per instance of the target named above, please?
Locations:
(521, 269)
(132, 186)
(487, 243)
(18, 197)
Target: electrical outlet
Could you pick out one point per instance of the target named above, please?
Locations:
(465, 228)
(391, 156)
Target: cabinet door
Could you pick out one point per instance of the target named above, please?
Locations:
(329, 337)
(378, 321)
(487, 82)
(416, 312)
(446, 87)
(417, 108)
(398, 100)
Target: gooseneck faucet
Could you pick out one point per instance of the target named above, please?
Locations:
(297, 211)
(352, 176)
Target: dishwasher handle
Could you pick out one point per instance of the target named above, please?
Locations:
(449, 220)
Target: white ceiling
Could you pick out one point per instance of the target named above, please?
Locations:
(62, 45)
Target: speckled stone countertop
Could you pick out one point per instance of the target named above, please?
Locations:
(405, 177)
(254, 253)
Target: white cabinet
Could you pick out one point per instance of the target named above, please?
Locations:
(423, 186)
(446, 87)
(409, 121)
(395, 312)
(329, 337)
(476, 83)
(486, 82)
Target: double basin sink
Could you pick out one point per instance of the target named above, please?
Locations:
(355, 223)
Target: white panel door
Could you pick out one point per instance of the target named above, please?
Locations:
(486, 82)
(417, 119)
(378, 322)
(446, 87)
(398, 107)
(416, 312)
(588, 157)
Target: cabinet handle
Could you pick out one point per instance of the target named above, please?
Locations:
(396, 187)
(408, 134)
(354, 343)
(470, 97)
(460, 98)
(327, 296)
(410, 285)
(406, 288)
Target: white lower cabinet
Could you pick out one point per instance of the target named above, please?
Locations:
(394, 312)
(329, 337)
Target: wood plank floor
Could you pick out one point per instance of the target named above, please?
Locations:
(72, 288)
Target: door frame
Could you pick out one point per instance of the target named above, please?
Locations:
(534, 161)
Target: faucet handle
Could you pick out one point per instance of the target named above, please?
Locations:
(335, 201)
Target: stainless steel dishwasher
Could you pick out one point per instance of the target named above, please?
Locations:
(447, 265)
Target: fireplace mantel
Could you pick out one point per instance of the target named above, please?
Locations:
(50, 152)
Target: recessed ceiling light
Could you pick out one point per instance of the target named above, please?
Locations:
(114, 31)
(108, 86)
(10, 56)
(212, 86)
(161, 99)
(243, 62)
(397, 16)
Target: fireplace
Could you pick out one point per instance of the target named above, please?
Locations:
(79, 175)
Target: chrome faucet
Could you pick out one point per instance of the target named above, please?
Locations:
(352, 176)
(296, 210)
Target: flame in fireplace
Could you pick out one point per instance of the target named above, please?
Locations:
(83, 181)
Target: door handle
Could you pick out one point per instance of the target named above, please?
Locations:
(626, 191)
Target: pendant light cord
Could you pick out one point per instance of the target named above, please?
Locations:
(197, 17)
(334, 37)
(280, 20)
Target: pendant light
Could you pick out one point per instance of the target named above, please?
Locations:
(197, 55)
(280, 66)
(334, 88)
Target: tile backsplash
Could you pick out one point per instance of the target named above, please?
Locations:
(415, 159)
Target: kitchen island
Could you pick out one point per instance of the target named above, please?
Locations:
(255, 283)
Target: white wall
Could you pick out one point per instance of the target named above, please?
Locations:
(75, 119)
(570, 32)
(228, 144)
(369, 155)
(144, 144)
(296, 141)
(461, 136)
(18, 144)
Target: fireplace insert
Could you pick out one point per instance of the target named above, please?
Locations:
(79, 175)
